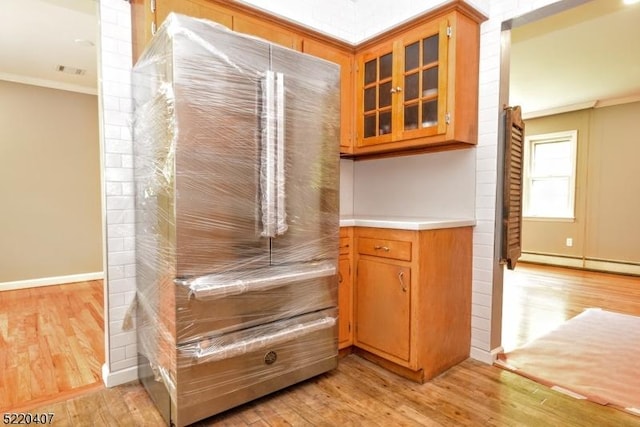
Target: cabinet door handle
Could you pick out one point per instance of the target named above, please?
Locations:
(398, 89)
(401, 279)
(384, 248)
(339, 277)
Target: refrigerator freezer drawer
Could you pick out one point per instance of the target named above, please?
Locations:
(219, 374)
(235, 283)
(261, 301)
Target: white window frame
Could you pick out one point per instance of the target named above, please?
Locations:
(529, 143)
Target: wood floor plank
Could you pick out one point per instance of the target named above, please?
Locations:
(137, 401)
(58, 412)
(287, 413)
(359, 393)
(537, 299)
(42, 354)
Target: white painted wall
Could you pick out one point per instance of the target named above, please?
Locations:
(438, 185)
(348, 24)
(346, 187)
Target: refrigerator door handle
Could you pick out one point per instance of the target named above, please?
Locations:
(224, 285)
(268, 158)
(281, 213)
(270, 337)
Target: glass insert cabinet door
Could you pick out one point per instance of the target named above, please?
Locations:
(403, 89)
(376, 96)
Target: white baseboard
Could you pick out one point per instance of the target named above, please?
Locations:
(50, 281)
(614, 267)
(485, 356)
(589, 264)
(112, 379)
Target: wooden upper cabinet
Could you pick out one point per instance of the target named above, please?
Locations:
(419, 88)
(376, 90)
(345, 60)
(267, 31)
(142, 26)
(195, 8)
(412, 88)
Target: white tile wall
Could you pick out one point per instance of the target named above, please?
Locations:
(346, 19)
(115, 96)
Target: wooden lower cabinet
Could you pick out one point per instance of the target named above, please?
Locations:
(412, 309)
(345, 289)
(384, 301)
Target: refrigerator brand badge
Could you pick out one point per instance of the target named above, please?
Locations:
(270, 357)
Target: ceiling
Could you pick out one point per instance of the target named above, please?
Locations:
(586, 56)
(575, 59)
(36, 36)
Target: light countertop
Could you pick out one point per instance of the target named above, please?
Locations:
(405, 223)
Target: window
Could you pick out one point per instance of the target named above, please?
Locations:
(550, 175)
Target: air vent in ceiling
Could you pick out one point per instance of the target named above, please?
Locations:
(71, 70)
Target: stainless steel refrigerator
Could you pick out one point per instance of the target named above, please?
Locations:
(236, 170)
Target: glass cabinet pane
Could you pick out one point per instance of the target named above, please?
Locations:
(430, 113)
(412, 56)
(411, 117)
(370, 98)
(369, 125)
(386, 64)
(430, 81)
(370, 69)
(411, 86)
(384, 99)
(430, 49)
(377, 97)
(385, 122)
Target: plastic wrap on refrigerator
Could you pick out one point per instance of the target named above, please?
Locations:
(236, 158)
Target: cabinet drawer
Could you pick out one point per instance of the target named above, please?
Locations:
(344, 245)
(394, 249)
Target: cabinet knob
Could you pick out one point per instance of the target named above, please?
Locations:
(396, 89)
(401, 279)
(378, 247)
(393, 90)
(339, 277)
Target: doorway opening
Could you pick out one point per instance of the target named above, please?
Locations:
(553, 58)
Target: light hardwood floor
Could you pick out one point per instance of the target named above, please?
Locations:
(360, 393)
(51, 343)
(537, 299)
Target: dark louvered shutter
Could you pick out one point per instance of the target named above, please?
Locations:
(512, 198)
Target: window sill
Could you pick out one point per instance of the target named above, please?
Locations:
(548, 219)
